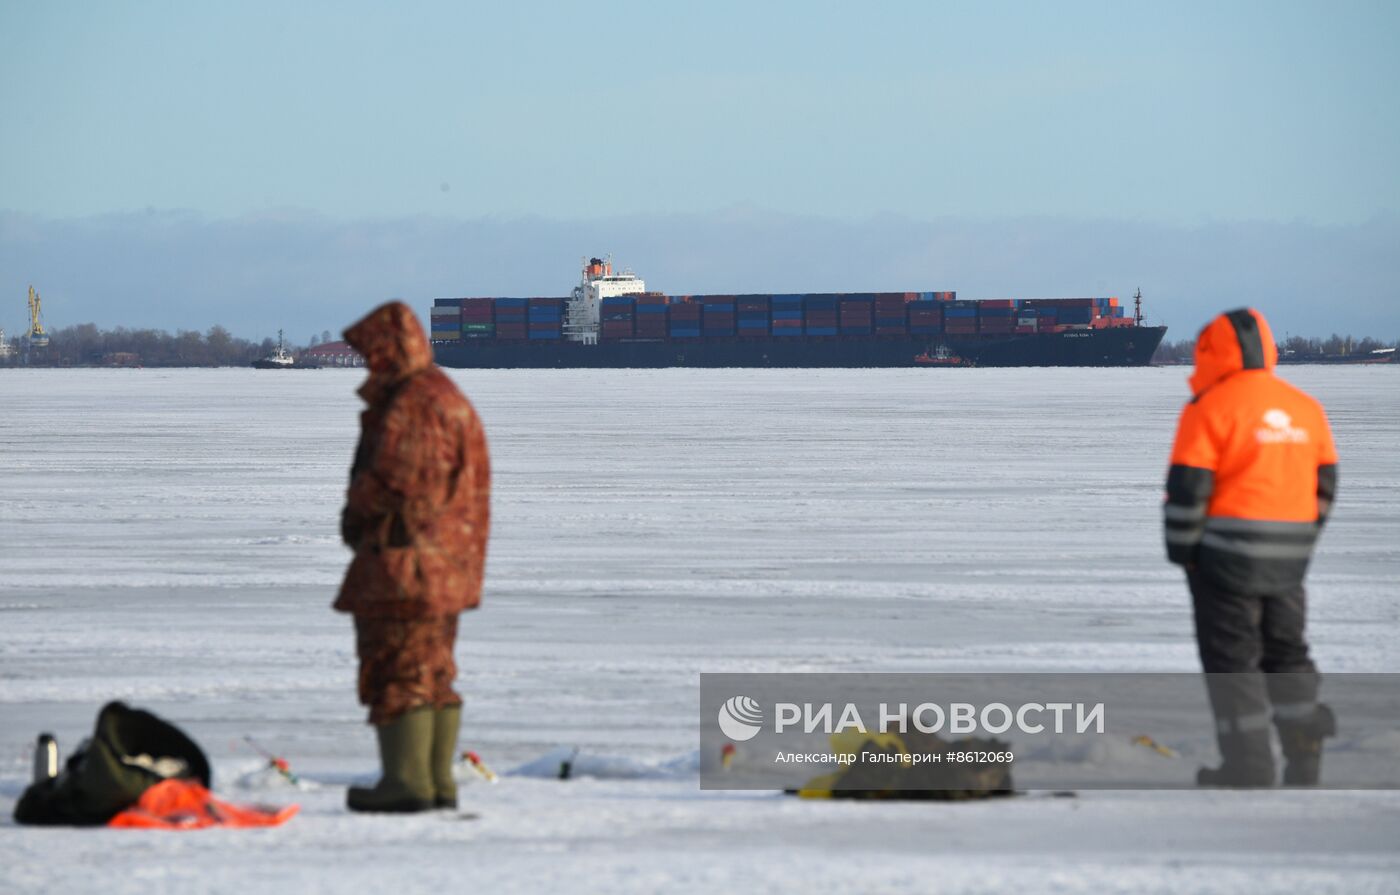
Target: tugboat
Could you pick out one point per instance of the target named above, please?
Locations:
(281, 359)
(941, 357)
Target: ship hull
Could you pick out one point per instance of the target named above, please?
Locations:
(1127, 346)
(273, 365)
(1348, 359)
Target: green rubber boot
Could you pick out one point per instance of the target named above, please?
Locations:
(405, 748)
(445, 724)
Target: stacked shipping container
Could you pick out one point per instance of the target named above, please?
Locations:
(685, 318)
(787, 315)
(653, 316)
(445, 324)
(616, 317)
(997, 316)
(650, 320)
(1050, 313)
(821, 315)
(857, 314)
(752, 315)
(546, 318)
(960, 318)
(511, 318)
(478, 321)
(892, 313)
(717, 316)
(925, 317)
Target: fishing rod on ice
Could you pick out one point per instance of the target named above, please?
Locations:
(281, 765)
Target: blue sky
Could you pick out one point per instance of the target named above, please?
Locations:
(1182, 115)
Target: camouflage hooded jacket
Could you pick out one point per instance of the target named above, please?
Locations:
(417, 513)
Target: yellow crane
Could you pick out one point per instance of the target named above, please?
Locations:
(37, 337)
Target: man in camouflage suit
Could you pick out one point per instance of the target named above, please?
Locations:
(417, 515)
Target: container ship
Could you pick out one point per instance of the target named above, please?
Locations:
(610, 320)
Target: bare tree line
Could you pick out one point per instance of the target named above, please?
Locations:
(1183, 351)
(87, 345)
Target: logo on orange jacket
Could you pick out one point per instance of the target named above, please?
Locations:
(1278, 428)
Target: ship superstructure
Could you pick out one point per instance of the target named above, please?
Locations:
(583, 310)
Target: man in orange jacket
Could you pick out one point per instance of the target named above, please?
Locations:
(1253, 475)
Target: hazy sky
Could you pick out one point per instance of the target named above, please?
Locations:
(1177, 115)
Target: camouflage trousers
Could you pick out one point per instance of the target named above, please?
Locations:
(405, 665)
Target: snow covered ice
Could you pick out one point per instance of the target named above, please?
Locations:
(170, 538)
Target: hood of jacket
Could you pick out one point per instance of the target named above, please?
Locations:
(1234, 341)
(392, 341)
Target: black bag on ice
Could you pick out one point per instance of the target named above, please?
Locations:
(129, 751)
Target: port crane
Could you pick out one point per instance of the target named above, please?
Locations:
(36, 335)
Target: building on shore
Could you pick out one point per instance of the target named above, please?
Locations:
(332, 354)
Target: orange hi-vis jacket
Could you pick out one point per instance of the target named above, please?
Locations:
(1253, 470)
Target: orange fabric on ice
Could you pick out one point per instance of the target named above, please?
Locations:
(187, 805)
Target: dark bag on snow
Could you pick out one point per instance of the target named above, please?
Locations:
(130, 750)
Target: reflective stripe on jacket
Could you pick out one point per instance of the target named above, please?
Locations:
(1253, 470)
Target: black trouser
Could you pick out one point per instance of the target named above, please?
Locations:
(1256, 660)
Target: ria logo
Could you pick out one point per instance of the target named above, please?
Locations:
(740, 718)
(1280, 429)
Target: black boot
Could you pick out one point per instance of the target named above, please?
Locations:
(1248, 761)
(1302, 745)
(405, 749)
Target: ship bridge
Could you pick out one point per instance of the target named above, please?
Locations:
(598, 281)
